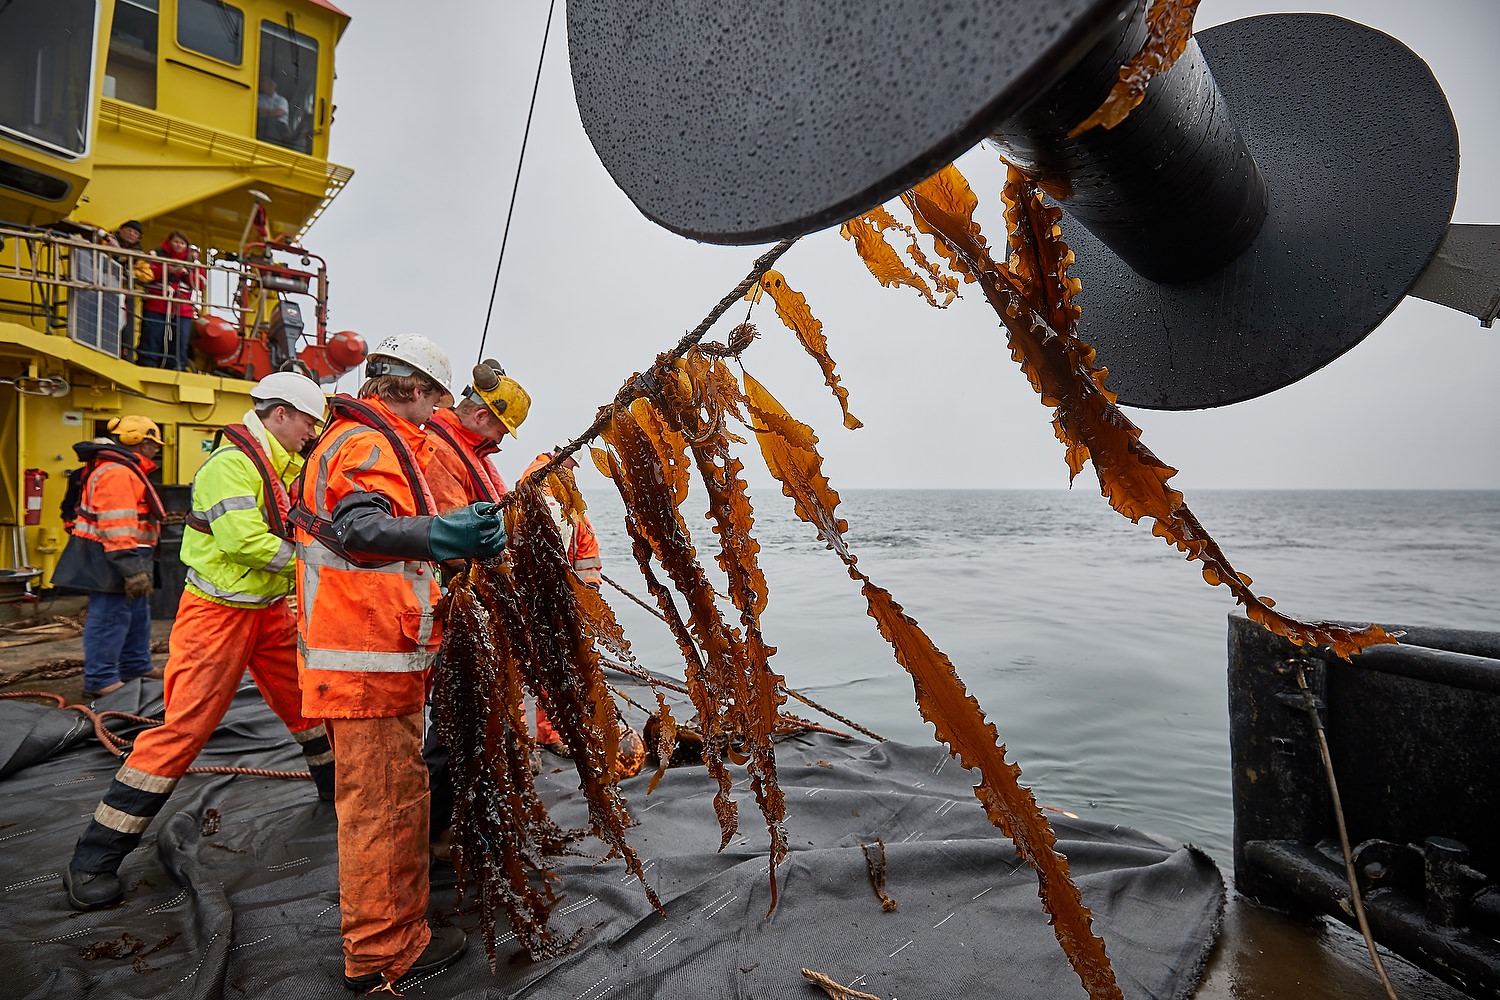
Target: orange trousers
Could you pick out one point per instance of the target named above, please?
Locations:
(212, 646)
(382, 804)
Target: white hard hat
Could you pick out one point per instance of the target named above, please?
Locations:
(292, 387)
(416, 354)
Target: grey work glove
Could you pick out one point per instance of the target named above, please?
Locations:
(137, 585)
(473, 532)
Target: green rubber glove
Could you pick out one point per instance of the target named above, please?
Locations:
(473, 532)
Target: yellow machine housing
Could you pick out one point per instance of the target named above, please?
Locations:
(202, 116)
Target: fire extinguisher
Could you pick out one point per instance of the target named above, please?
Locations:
(34, 479)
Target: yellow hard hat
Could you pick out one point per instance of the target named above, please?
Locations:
(132, 429)
(501, 394)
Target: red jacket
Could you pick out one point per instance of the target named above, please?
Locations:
(178, 281)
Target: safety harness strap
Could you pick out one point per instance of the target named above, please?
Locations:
(321, 528)
(476, 475)
(279, 503)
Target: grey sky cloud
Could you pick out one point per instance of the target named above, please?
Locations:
(431, 108)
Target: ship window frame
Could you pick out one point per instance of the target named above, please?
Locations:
(87, 87)
(273, 35)
(221, 8)
(149, 56)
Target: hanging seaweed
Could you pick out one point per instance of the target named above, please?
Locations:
(791, 306)
(520, 621)
(1033, 295)
(500, 827)
(789, 448)
(1169, 28)
(753, 714)
(733, 691)
(867, 231)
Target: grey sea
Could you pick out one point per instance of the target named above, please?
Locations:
(1094, 647)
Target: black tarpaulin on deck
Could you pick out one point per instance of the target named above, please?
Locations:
(234, 891)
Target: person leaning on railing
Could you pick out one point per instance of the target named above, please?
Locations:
(175, 279)
(128, 237)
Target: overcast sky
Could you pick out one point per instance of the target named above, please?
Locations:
(431, 104)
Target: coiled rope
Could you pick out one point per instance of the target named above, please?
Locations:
(120, 746)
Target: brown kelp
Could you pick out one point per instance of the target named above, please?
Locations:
(1169, 28)
(1034, 297)
(789, 447)
(524, 622)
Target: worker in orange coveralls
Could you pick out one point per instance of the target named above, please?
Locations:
(582, 547)
(368, 534)
(111, 544)
(466, 434)
(463, 437)
(233, 616)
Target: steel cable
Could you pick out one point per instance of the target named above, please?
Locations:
(520, 160)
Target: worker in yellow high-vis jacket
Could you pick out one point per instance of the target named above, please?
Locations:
(234, 616)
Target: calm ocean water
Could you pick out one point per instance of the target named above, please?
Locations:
(1094, 647)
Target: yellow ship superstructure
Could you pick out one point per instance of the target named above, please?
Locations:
(208, 117)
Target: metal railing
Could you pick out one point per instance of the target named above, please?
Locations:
(69, 283)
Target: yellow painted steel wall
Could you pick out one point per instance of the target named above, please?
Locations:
(180, 155)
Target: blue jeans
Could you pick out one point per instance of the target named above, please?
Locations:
(116, 639)
(152, 351)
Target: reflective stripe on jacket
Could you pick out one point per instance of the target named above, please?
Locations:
(582, 544)
(117, 526)
(238, 561)
(460, 473)
(366, 635)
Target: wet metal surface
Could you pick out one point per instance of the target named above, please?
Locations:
(742, 121)
(1360, 155)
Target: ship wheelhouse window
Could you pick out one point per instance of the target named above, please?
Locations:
(130, 72)
(47, 73)
(213, 28)
(284, 106)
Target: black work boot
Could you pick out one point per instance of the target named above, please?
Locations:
(91, 877)
(446, 947)
(319, 754)
(322, 776)
(91, 890)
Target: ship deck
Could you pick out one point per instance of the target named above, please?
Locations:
(234, 890)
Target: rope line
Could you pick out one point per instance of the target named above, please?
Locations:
(520, 160)
(789, 691)
(1311, 704)
(803, 725)
(119, 746)
(640, 385)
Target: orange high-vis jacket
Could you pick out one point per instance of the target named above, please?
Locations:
(366, 633)
(116, 527)
(583, 546)
(460, 473)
